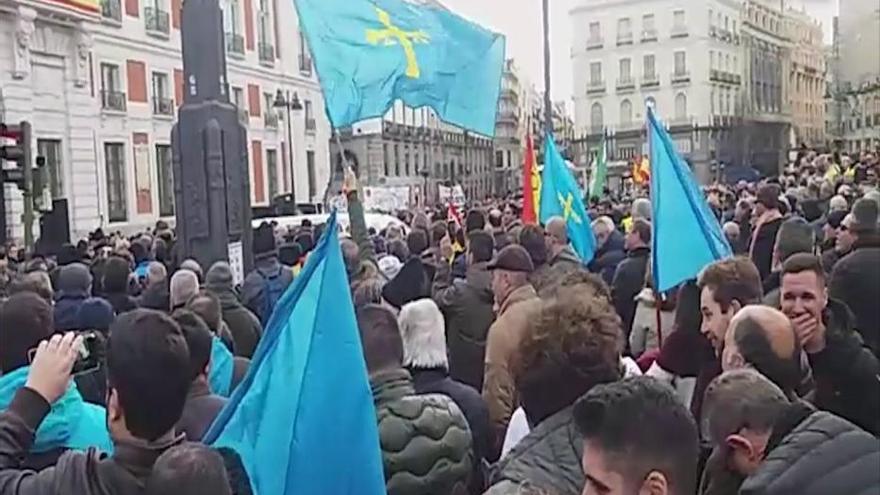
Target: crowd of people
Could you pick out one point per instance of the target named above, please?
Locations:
(500, 363)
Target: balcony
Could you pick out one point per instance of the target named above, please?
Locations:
(725, 35)
(305, 64)
(624, 38)
(311, 125)
(111, 10)
(113, 100)
(649, 35)
(650, 80)
(270, 119)
(595, 87)
(681, 77)
(163, 106)
(679, 32)
(725, 77)
(595, 43)
(266, 52)
(156, 21)
(235, 44)
(625, 84)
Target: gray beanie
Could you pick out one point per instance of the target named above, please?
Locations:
(865, 213)
(74, 278)
(184, 285)
(219, 276)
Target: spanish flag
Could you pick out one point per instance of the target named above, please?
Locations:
(641, 171)
(531, 185)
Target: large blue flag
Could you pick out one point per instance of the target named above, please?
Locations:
(369, 53)
(303, 419)
(687, 236)
(561, 197)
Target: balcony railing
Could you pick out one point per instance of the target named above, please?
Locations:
(679, 32)
(113, 100)
(649, 35)
(311, 125)
(650, 80)
(267, 52)
(725, 77)
(111, 9)
(596, 87)
(595, 42)
(156, 20)
(624, 38)
(625, 84)
(235, 43)
(270, 119)
(305, 64)
(682, 76)
(163, 106)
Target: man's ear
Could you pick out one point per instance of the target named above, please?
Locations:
(740, 446)
(654, 484)
(114, 408)
(734, 307)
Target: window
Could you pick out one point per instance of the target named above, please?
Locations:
(626, 112)
(596, 119)
(117, 201)
(162, 104)
(680, 106)
(310, 168)
(624, 30)
(166, 180)
(386, 160)
(711, 59)
(712, 102)
(50, 150)
(111, 83)
(272, 173)
(238, 98)
(625, 70)
(680, 63)
(595, 32)
(595, 73)
(270, 116)
(266, 47)
(309, 115)
(305, 56)
(648, 30)
(711, 18)
(678, 20)
(648, 71)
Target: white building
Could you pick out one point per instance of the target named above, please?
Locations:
(101, 82)
(681, 56)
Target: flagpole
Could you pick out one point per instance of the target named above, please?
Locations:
(548, 107)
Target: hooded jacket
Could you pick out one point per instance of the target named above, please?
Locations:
(608, 256)
(73, 284)
(467, 309)
(254, 286)
(243, 324)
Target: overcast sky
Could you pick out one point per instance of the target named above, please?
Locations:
(520, 21)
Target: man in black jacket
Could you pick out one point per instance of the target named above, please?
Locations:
(610, 250)
(147, 364)
(847, 374)
(629, 279)
(767, 221)
(776, 447)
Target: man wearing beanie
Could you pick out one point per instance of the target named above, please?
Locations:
(74, 285)
(856, 277)
(265, 284)
(244, 326)
(184, 285)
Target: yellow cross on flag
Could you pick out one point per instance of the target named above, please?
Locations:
(394, 35)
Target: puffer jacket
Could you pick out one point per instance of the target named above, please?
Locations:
(816, 453)
(425, 440)
(548, 458)
(608, 256)
(856, 282)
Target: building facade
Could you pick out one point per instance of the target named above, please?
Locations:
(413, 148)
(509, 130)
(806, 78)
(101, 84)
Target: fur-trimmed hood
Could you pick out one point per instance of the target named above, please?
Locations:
(423, 331)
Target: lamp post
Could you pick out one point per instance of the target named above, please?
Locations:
(289, 102)
(425, 173)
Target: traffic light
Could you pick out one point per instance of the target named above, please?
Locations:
(20, 153)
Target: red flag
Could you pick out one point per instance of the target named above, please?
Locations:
(530, 169)
(452, 215)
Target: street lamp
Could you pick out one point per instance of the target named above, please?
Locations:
(289, 102)
(425, 173)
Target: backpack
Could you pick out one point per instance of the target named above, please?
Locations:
(273, 289)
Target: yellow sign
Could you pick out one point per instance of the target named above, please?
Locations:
(393, 35)
(567, 210)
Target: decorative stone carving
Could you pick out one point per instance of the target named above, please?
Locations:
(24, 35)
(82, 49)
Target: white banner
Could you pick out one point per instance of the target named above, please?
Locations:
(454, 194)
(388, 199)
(236, 262)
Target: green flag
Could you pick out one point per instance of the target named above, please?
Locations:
(600, 170)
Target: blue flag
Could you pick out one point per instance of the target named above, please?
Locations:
(369, 53)
(303, 419)
(687, 236)
(561, 197)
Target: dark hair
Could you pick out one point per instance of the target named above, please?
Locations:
(641, 426)
(579, 276)
(438, 232)
(804, 262)
(206, 305)
(732, 279)
(688, 317)
(148, 367)
(417, 242)
(116, 274)
(643, 228)
(531, 237)
(481, 245)
(399, 250)
(198, 340)
(380, 337)
(189, 469)
(573, 344)
(755, 347)
(25, 320)
(794, 236)
(474, 220)
(768, 195)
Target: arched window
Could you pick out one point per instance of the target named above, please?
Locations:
(596, 119)
(681, 104)
(626, 112)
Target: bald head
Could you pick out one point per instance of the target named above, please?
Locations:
(763, 338)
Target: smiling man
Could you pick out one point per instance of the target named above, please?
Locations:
(725, 287)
